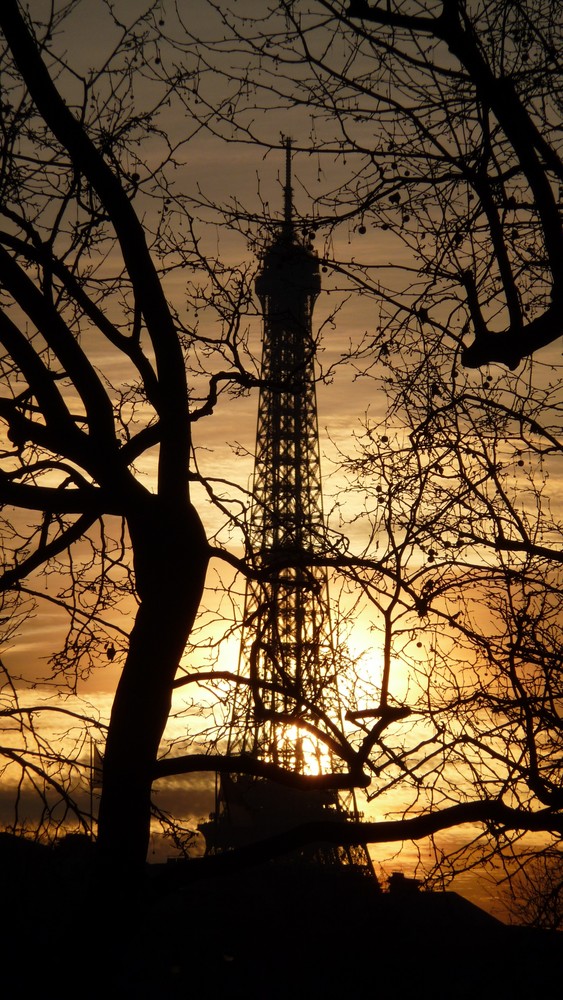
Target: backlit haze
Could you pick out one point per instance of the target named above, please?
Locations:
(215, 174)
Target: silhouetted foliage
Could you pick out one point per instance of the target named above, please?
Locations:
(443, 118)
(535, 893)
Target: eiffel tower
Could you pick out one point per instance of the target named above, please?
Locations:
(287, 709)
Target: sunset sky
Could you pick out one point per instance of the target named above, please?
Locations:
(223, 173)
(218, 175)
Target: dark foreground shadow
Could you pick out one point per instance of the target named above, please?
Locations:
(278, 931)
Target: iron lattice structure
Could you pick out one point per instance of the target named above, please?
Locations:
(290, 711)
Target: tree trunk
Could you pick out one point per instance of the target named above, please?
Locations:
(170, 556)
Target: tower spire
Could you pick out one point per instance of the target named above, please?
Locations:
(287, 191)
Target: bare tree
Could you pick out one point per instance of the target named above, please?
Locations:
(457, 505)
(71, 439)
(443, 118)
(534, 894)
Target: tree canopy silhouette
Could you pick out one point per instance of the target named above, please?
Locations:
(444, 117)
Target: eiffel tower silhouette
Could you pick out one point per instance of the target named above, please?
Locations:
(287, 712)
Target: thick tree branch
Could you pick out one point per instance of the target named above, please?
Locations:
(339, 745)
(92, 502)
(38, 558)
(535, 156)
(127, 345)
(60, 426)
(48, 320)
(386, 16)
(494, 815)
(246, 764)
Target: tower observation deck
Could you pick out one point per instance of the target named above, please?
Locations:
(287, 711)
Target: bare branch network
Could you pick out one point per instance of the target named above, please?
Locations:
(429, 147)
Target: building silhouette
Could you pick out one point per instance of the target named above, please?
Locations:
(287, 708)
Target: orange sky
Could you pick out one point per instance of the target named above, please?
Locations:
(242, 172)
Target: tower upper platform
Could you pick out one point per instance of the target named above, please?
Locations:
(289, 266)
